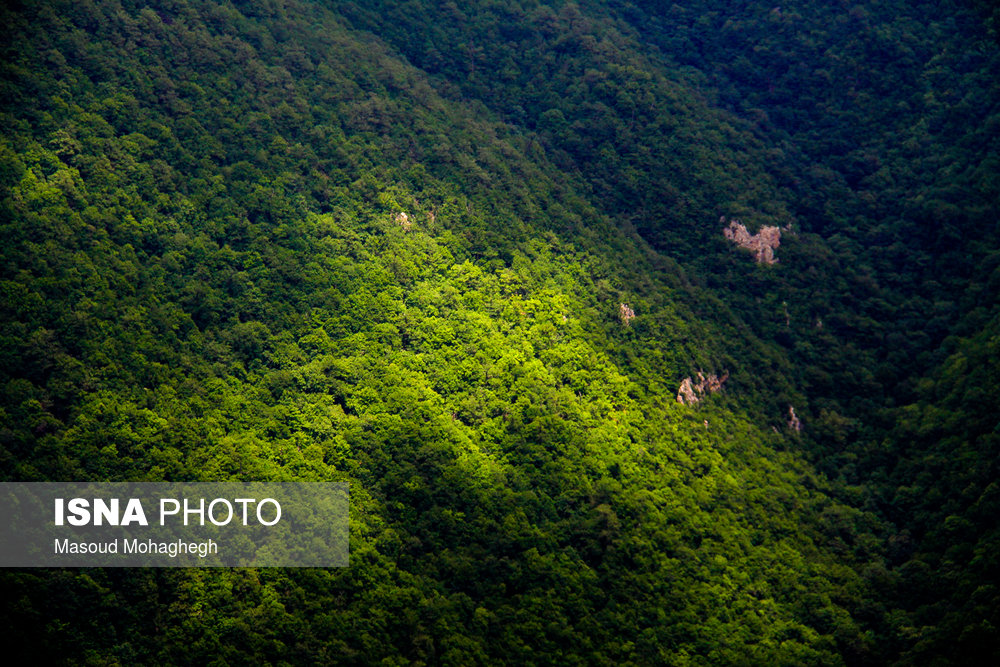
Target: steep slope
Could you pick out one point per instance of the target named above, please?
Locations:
(887, 115)
(463, 257)
(870, 132)
(254, 245)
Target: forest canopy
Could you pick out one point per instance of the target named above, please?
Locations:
(465, 257)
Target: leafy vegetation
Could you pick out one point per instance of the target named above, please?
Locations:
(391, 244)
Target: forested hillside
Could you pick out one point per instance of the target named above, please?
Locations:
(469, 258)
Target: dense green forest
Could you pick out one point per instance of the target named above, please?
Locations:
(465, 257)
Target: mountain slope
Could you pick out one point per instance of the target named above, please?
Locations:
(461, 258)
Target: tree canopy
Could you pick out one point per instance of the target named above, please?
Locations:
(462, 256)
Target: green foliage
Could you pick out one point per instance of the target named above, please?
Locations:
(388, 244)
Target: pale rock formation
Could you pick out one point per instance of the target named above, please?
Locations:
(686, 394)
(691, 392)
(403, 220)
(793, 421)
(763, 243)
(626, 314)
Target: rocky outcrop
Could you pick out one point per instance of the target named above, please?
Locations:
(686, 394)
(403, 220)
(793, 420)
(763, 243)
(691, 392)
(626, 314)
